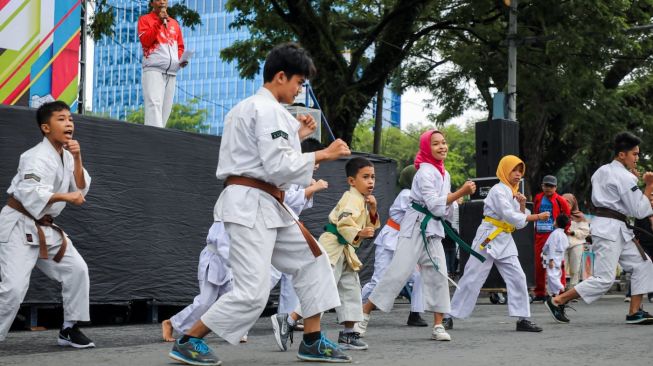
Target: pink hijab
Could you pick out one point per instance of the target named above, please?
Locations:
(424, 154)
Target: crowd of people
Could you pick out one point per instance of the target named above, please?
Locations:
(257, 239)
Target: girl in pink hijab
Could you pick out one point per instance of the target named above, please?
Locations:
(430, 197)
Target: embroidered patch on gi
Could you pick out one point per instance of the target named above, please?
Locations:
(277, 134)
(634, 189)
(343, 215)
(29, 238)
(33, 176)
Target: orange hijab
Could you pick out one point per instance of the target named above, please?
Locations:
(507, 164)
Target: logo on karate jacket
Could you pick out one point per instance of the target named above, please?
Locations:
(277, 134)
(29, 238)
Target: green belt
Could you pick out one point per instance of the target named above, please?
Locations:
(447, 229)
(333, 229)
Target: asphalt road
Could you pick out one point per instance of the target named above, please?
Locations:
(597, 335)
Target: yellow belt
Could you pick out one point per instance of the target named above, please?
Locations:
(502, 227)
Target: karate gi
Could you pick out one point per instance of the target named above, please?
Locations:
(350, 216)
(554, 249)
(502, 252)
(214, 272)
(430, 190)
(260, 141)
(614, 187)
(42, 172)
(385, 245)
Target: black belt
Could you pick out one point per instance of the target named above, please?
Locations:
(616, 215)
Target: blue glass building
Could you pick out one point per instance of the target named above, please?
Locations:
(215, 83)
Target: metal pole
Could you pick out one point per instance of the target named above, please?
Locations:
(378, 122)
(512, 62)
(82, 60)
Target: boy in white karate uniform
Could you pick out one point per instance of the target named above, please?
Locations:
(386, 244)
(504, 211)
(50, 175)
(260, 158)
(554, 253)
(214, 272)
(616, 196)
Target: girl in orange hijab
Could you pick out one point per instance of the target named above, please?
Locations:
(505, 211)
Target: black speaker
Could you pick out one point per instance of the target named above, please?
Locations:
(471, 214)
(494, 140)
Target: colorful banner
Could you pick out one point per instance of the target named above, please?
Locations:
(39, 51)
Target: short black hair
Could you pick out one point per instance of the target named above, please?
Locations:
(46, 110)
(289, 58)
(355, 164)
(311, 145)
(625, 141)
(562, 221)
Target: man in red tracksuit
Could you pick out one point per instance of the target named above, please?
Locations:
(163, 46)
(546, 201)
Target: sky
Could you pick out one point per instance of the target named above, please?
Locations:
(413, 110)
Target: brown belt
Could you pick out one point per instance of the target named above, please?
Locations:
(616, 215)
(46, 220)
(278, 195)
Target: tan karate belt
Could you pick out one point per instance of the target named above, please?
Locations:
(46, 220)
(278, 195)
(616, 215)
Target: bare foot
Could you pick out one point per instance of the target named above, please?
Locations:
(166, 331)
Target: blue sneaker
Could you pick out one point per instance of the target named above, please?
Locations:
(194, 352)
(322, 350)
(640, 317)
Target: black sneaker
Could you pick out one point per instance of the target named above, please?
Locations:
(415, 320)
(526, 325)
(539, 298)
(73, 337)
(640, 317)
(282, 330)
(351, 341)
(322, 350)
(194, 352)
(557, 311)
(447, 323)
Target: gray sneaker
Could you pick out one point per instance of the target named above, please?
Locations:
(351, 341)
(282, 330)
(322, 350)
(194, 352)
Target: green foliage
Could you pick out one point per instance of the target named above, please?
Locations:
(183, 117)
(403, 145)
(583, 75)
(103, 20)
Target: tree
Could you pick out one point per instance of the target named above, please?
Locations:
(103, 18)
(183, 117)
(583, 75)
(357, 46)
(403, 145)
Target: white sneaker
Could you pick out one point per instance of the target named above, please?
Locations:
(243, 339)
(361, 326)
(439, 334)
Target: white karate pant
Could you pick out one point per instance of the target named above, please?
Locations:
(469, 286)
(158, 92)
(606, 256)
(251, 253)
(553, 282)
(17, 260)
(349, 291)
(573, 259)
(288, 300)
(410, 251)
(382, 258)
(209, 270)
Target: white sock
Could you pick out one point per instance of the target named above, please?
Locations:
(68, 324)
(291, 321)
(349, 330)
